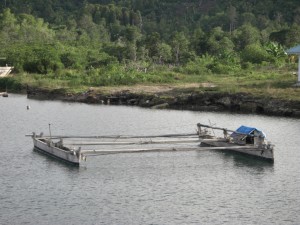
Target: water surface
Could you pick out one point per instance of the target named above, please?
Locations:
(206, 187)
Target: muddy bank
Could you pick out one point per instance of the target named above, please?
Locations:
(183, 99)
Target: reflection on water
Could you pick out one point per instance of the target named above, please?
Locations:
(51, 161)
(241, 160)
(205, 187)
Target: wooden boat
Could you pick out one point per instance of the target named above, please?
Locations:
(245, 140)
(57, 149)
(61, 150)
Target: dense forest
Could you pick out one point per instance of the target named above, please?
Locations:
(103, 42)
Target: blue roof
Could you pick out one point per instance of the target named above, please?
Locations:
(245, 130)
(249, 130)
(294, 50)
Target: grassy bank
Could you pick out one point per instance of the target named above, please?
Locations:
(263, 81)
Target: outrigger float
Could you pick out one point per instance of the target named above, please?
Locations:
(75, 149)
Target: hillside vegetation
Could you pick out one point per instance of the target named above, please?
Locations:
(238, 45)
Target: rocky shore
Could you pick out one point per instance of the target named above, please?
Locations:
(174, 98)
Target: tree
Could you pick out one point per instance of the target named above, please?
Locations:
(293, 35)
(232, 15)
(254, 53)
(152, 43)
(213, 41)
(180, 46)
(34, 30)
(7, 19)
(248, 18)
(198, 41)
(8, 28)
(246, 35)
(132, 34)
(165, 53)
(136, 19)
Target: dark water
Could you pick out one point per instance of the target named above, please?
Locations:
(153, 188)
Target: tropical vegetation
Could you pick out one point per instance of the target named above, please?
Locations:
(239, 45)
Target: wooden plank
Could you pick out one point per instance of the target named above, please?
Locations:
(134, 143)
(111, 151)
(213, 140)
(136, 150)
(120, 136)
(146, 142)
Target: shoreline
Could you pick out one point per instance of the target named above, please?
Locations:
(180, 98)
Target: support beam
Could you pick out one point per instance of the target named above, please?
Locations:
(110, 151)
(191, 135)
(146, 142)
(134, 142)
(299, 69)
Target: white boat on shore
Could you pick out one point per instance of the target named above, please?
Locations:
(4, 94)
(5, 71)
(245, 140)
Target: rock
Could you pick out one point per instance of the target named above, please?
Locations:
(197, 101)
(161, 106)
(248, 107)
(225, 101)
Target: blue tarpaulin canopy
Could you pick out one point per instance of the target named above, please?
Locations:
(245, 130)
(249, 131)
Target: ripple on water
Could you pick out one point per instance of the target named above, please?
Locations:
(153, 188)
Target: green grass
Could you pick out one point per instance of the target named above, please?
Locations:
(262, 82)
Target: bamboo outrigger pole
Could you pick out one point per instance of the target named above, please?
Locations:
(109, 151)
(146, 142)
(134, 143)
(122, 136)
(217, 128)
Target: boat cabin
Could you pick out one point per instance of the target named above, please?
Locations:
(248, 135)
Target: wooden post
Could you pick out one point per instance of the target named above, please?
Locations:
(50, 130)
(298, 68)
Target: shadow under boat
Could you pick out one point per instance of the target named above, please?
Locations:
(244, 160)
(241, 157)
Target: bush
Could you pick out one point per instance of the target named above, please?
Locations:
(221, 68)
(197, 66)
(34, 58)
(254, 53)
(10, 83)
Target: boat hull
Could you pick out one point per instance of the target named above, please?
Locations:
(67, 156)
(263, 153)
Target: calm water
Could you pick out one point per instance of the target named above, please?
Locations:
(152, 188)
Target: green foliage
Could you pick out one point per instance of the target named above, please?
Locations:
(246, 35)
(275, 50)
(34, 58)
(221, 68)
(9, 83)
(126, 42)
(254, 53)
(180, 45)
(199, 66)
